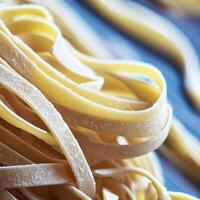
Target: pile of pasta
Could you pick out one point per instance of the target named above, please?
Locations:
(73, 126)
(142, 23)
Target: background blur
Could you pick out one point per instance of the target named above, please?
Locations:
(122, 46)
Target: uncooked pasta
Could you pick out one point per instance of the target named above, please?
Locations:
(73, 126)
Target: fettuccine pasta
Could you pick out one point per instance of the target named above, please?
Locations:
(70, 127)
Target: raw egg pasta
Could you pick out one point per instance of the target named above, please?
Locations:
(71, 127)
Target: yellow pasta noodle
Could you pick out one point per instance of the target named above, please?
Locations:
(183, 7)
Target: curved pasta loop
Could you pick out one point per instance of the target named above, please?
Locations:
(166, 37)
(71, 31)
(161, 191)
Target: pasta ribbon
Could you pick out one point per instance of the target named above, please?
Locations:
(183, 7)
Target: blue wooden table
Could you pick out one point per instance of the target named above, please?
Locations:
(124, 47)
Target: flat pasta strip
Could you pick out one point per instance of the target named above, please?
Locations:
(33, 175)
